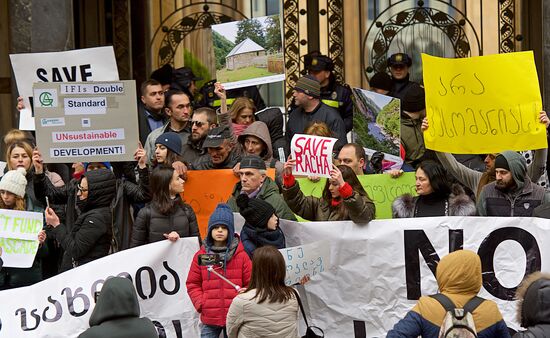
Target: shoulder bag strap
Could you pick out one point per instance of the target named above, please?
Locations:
(473, 303)
(301, 306)
(445, 301)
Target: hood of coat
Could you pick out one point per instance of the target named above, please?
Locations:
(259, 130)
(518, 167)
(459, 273)
(117, 299)
(101, 188)
(534, 300)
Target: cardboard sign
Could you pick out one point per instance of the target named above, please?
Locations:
(313, 154)
(86, 122)
(483, 104)
(249, 52)
(203, 200)
(382, 189)
(91, 64)
(19, 237)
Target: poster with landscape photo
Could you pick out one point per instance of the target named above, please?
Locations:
(249, 52)
(376, 123)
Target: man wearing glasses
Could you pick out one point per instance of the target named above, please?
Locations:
(201, 122)
(178, 108)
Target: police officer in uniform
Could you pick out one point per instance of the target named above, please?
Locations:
(333, 94)
(209, 99)
(399, 64)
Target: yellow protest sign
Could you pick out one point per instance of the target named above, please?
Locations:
(483, 104)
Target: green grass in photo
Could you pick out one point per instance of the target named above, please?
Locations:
(225, 75)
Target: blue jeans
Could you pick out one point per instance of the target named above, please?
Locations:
(212, 331)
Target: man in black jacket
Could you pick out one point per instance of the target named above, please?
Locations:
(150, 114)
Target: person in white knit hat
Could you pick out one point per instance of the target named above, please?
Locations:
(12, 196)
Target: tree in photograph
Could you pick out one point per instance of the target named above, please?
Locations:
(273, 42)
(251, 29)
(222, 47)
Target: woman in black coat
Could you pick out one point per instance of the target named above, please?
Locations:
(91, 235)
(166, 216)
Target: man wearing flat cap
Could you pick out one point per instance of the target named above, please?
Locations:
(399, 64)
(255, 183)
(333, 94)
(310, 109)
(223, 154)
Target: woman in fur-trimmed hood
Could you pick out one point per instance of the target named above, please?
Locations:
(436, 196)
(533, 297)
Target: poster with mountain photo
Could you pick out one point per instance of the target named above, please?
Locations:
(249, 52)
(377, 124)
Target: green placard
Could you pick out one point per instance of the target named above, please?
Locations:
(382, 189)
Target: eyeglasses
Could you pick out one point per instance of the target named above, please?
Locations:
(82, 190)
(197, 123)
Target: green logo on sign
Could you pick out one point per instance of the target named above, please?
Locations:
(46, 99)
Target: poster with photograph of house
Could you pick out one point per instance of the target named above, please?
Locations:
(249, 52)
(376, 127)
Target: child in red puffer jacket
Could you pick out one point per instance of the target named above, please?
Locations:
(211, 295)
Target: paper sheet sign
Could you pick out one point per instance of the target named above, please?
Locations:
(19, 237)
(306, 260)
(483, 104)
(313, 154)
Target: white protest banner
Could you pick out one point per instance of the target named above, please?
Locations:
(306, 260)
(313, 154)
(86, 122)
(376, 274)
(19, 237)
(91, 64)
(378, 271)
(61, 306)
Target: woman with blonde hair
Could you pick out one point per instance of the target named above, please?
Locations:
(13, 197)
(268, 308)
(242, 114)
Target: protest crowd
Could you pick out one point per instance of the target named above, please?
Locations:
(236, 281)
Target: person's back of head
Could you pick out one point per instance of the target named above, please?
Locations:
(459, 273)
(533, 297)
(268, 276)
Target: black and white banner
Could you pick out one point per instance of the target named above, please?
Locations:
(375, 275)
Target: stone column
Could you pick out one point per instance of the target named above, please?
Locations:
(36, 26)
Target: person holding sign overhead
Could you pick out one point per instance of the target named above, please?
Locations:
(435, 197)
(343, 197)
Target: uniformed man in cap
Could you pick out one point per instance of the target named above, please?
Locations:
(399, 64)
(185, 80)
(332, 93)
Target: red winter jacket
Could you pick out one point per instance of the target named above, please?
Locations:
(212, 296)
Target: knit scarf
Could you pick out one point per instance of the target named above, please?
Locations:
(275, 237)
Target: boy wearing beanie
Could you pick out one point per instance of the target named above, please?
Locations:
(262, 225)
(211, 295)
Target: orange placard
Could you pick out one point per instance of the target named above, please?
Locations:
(204, 189)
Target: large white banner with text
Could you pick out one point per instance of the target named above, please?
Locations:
(375, 275)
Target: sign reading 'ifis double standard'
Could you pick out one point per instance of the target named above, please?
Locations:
(86, 122)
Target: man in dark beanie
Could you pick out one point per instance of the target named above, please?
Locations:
(413, 110)
(255, 183)
(261, 225)
(309, 109)
(513, 193)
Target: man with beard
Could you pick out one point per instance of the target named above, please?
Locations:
(150, 115)
(203, 120)
(475, 180)
(513, 193)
